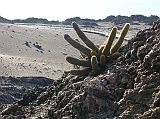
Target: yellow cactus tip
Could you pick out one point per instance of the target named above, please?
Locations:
(126, 26)
(114, 28)
(66, 36)
(95, 66)
(102, 60)
(67, 57)
(94, 62)
(94, 57)
(74, 24)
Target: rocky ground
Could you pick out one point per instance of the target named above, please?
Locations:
(128, 89)
(12, 89)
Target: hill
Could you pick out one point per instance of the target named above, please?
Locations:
(133, 19)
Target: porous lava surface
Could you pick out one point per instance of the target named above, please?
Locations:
(128, 89)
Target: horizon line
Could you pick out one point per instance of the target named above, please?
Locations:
(79, 17)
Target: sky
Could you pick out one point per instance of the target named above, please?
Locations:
(63, 9)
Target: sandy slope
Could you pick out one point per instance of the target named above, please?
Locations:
(36, 50)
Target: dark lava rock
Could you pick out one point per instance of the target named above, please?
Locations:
(128, 89)
(21, 89)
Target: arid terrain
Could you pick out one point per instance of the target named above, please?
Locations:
(38, 50)
(34, 84)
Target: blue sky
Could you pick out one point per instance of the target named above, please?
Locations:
(62, 9)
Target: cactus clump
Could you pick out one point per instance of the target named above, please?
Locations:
(94, 58)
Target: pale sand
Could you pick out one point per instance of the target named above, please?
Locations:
(18, 59)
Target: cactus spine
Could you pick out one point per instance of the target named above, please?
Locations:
(77, 45)
(89, 43)
(115, 55)
(75, 61)
(94, 64)
(102, 60)
(80, 72)
(101, 49)
(108, 43)
(93, 57)
(119, 42)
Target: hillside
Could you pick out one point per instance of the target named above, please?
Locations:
(91, 22)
